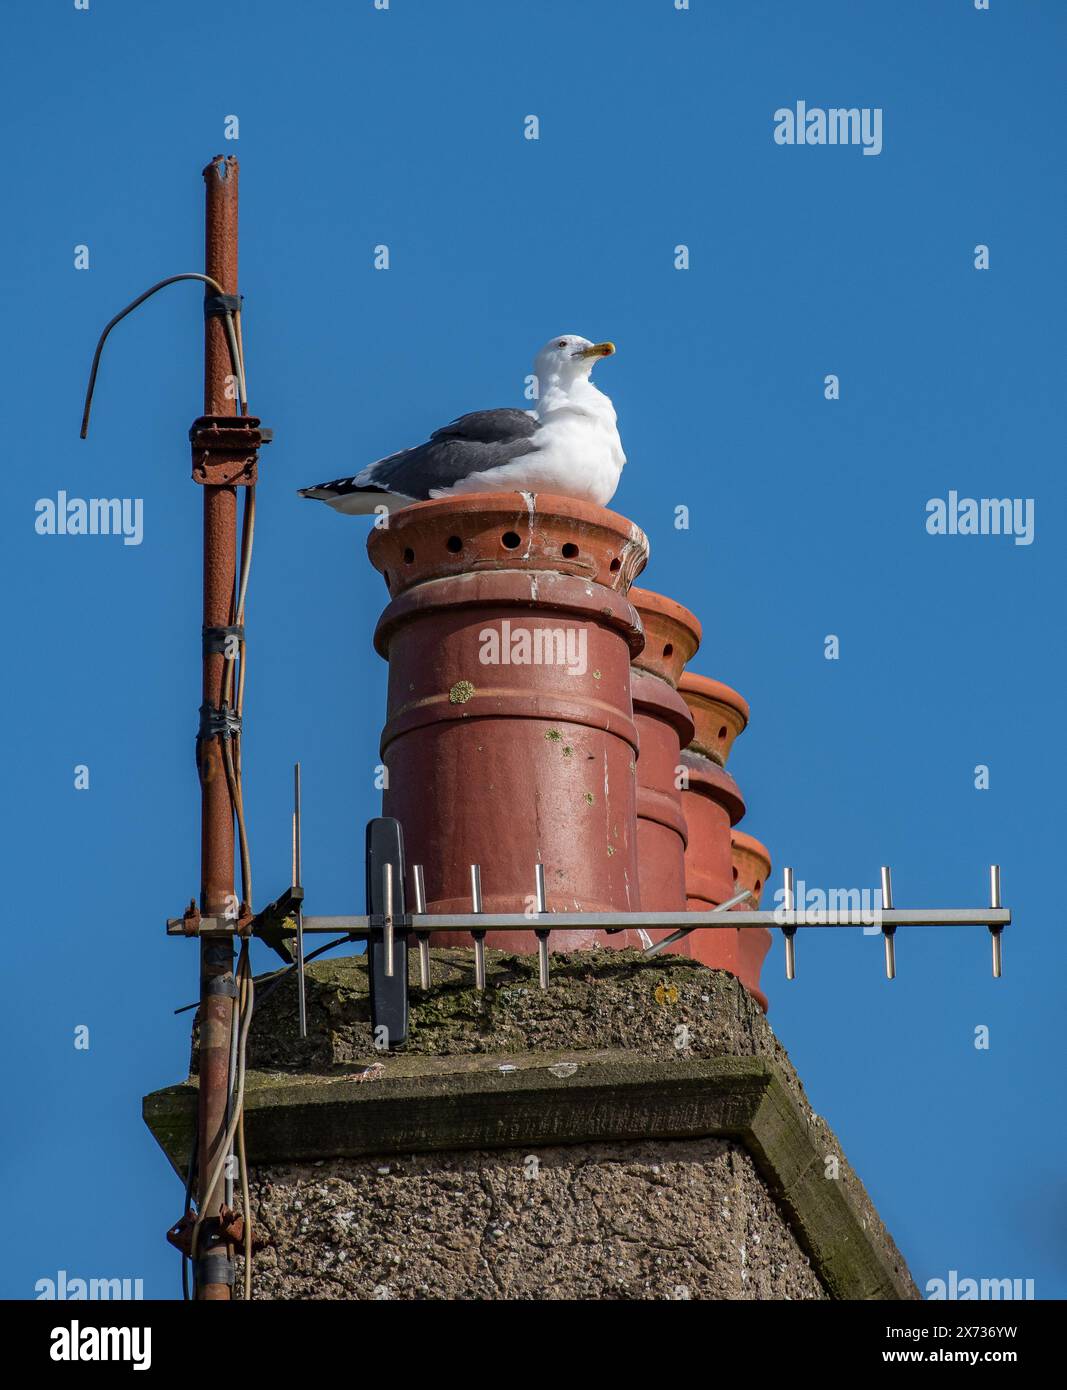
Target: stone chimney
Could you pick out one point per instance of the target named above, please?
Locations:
(634, 1131)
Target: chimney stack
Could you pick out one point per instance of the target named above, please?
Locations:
(533, 721)
(539, 713)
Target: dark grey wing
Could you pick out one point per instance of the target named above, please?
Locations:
(481, 440)
(489, 426)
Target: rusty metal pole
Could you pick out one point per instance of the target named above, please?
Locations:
(217, 898)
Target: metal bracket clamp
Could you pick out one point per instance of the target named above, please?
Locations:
(226, 449)
(227, 1227)
(273, 922)
(193, 923)
(401, 921)
(217, 722)
(189, 922)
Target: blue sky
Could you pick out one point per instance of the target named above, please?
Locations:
(405, 127)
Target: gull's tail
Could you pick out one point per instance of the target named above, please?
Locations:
(343, 496)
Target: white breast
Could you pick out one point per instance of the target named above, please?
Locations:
(577, 453)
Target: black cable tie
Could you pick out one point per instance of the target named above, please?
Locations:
(218, 723)
(225, 985)
(216, 305)
(215, 638)
(214, 1269)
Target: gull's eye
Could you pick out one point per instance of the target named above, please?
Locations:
(562, 342)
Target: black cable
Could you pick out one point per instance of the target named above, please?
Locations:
(277, 976)
(287, 970)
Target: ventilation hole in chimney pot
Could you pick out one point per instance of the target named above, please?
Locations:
(454, 544)
(735, 875)
(570, 551)
(511, 540)
(756, 886)
(409, 556)
(615, 565)
(722, 732)
(668, 649)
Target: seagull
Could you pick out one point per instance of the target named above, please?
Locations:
(568, 444)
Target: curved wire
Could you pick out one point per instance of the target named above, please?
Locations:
(170, 280)
(237, 358)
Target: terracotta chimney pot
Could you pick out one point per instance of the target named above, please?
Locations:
(752, 866)
(665, 726)
(496, 757)
(752, 869)
(719, 714)
(712, 804)
(672, 635)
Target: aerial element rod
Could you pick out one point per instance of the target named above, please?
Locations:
(541, 903)
(479, 936)
(888, 931)
(994, 901)
(419, 880)
(789, 931)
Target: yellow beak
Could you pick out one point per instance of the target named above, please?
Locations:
(598, 350)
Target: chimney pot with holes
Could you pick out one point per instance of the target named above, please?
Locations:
(719, 713)
(665, 726)
(752, 868)
(713, 805)
(510, 739)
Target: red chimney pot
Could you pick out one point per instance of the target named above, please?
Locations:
(752, 868)
(719, 714)
(665, 725)
(672, 635)
(496, 759)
